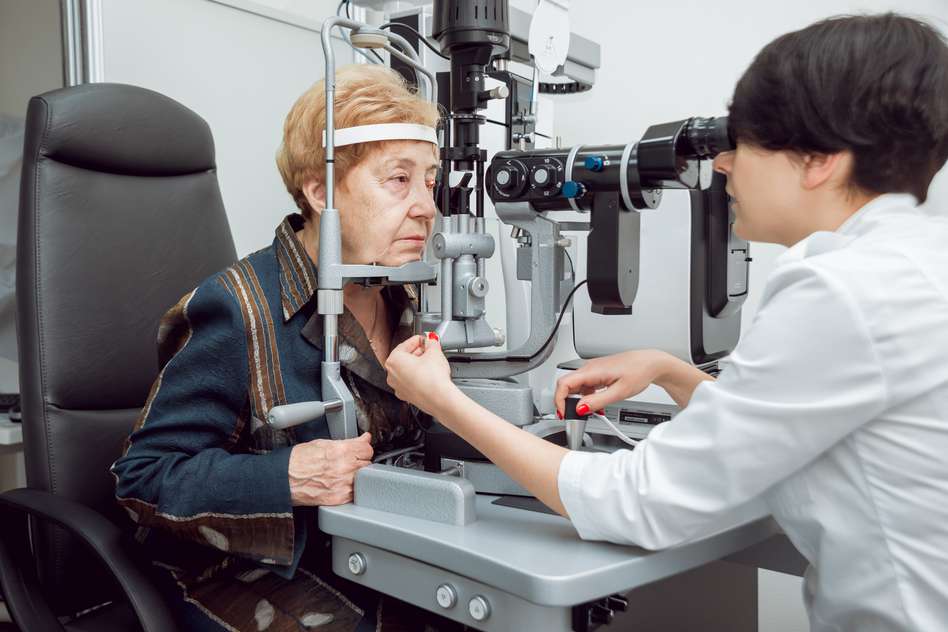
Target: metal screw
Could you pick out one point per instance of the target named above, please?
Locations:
(479, 608)
(357, 564)
(446, 595)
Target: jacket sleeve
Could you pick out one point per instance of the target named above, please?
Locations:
(806, 375)
(178, 471)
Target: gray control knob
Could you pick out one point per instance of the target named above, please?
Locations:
(478, 287)
(479, 608)
(541, 175)
(446, 595)
(357, 563)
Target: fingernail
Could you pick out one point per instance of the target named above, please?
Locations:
(601, 412)
(582, 409)
(559, 414)
(432, 335)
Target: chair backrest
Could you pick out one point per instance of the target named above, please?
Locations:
(120, 215)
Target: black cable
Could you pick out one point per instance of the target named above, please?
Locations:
(543, 347)
(556, 327)
(423, 39)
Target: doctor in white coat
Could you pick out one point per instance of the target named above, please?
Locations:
(832, 413)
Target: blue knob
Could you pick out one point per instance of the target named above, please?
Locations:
(573, 189)
(594, 163)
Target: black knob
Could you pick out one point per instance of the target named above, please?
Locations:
(617, 602)
(570, 412)
(601, 615)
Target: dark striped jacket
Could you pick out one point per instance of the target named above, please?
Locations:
(202, 475)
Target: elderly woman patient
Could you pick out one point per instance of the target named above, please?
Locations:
(225, 503)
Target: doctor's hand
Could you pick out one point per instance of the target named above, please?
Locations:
(419, 373)
(322, 472)
(603, 381)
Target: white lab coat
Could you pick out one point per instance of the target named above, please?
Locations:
(832, 415)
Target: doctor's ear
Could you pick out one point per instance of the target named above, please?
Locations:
(315, 194)
(819, 169)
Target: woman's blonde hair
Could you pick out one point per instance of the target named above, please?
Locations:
(366, 94)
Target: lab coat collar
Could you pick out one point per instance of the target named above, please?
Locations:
(884, 203)
(857, 223)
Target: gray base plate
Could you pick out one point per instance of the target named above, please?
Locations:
(533, 556)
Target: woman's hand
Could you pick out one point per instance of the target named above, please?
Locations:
(621, 376)
(419, 373)
(322, 472)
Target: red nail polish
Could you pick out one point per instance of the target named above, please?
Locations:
(601, 412)
(432, 335)
(559, 415)
(582, 409)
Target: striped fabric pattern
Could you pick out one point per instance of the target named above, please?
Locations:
(205, 479)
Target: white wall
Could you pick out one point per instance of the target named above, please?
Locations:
(240, 71)
(30, 52)
(30, 64)
(663, 61)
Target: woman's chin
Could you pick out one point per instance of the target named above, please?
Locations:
(399, 260)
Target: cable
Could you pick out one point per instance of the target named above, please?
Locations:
(423, 39)
(543, 347)
(559, 320)
(615, 430)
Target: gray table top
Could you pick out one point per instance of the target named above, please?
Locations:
(536, 556)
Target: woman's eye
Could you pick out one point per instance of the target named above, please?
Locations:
(400, 179)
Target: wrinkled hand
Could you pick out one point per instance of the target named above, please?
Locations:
(603, 381)
(322, 471)
(419, 373)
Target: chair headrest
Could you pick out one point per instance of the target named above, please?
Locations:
(153, 134)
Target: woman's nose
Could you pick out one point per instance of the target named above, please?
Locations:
(423, 204)
(723, 162)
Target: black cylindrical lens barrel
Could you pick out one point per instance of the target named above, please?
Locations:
(562, 179)
(707, 137)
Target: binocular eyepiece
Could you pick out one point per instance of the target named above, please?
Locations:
(666, 157)
(707, 137)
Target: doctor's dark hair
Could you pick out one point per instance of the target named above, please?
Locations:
(876, 85)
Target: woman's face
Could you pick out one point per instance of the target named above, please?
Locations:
(766, 191)
(386, 204)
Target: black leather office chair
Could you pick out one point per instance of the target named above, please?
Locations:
(120, 215)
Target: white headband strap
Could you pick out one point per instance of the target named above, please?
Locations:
(382, 131)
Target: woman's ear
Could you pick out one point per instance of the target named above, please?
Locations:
(315, 194)
(821, 168)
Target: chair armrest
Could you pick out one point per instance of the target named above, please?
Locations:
(18, 569)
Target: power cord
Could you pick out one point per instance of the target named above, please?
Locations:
(549, 339)
(615, 429)
(424, 40)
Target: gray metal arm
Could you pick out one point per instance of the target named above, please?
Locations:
(546, 289)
